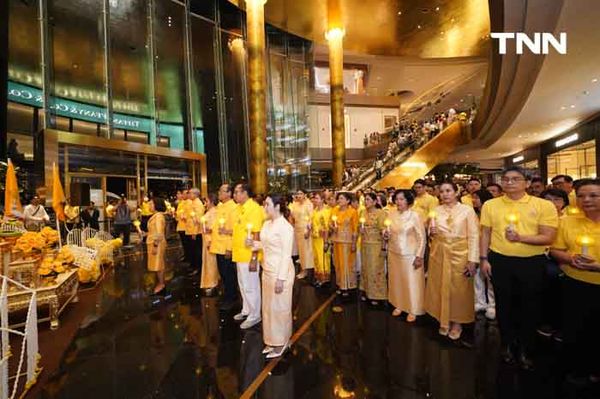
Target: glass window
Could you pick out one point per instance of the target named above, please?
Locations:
(130, 67)
(170, 72)
(78, 86)
(578, 161)
(354, 79)
(205, 8)
(234, 53)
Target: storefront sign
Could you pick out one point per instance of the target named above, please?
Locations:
(566, 140)
(23, 94)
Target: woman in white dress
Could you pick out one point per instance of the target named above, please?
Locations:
(276, 241)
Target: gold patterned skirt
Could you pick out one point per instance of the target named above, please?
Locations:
(373, 280)
(345, 266)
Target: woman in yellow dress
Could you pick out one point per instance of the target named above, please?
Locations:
(406, 247)
(156, 242)
(209, 279)
(319, 231)
(301, 211)
(373, 280)
(450, 295)
(344, 225)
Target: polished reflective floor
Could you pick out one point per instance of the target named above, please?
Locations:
(132, 346)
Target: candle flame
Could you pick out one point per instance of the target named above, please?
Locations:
(249, 226)
(334, 218)
(387, 222)
(585, 240)
(362, 220)
(432, 215)
(512, 218)
(221, 221)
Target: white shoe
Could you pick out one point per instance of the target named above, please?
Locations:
(490, 313)
(249, 323)
(267, 350)
(301, 275)
(240, 316)
(277, 353)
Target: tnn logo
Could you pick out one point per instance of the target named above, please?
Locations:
(539, 45)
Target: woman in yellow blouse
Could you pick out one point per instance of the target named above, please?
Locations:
(344, 225)
(209, 278)
(577, 249)
(371, 225)
(301, 211)
(406, 247)
(319, 232)
(156, 242)
(450, 295)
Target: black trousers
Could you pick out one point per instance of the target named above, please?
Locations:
(518, 284)
(125, 230)
(228, 273)
(183, 238)
(581, 313)
(552, 294)
(195, 251)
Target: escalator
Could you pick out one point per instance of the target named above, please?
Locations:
(409, 165)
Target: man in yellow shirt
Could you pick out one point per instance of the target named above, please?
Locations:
(193, 229)
(146, 214)
(577, 249)
(221, 245)
(515, 231)
(474, 184)
(424, 203)
(247, 224)
(182, 203)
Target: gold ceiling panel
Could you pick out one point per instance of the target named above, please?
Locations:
(416, 28)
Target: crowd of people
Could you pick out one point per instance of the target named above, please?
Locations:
(511, 250)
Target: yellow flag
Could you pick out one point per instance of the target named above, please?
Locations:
(11, 191)
(58, 195)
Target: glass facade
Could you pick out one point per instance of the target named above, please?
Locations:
(169, 73)
(578, 161)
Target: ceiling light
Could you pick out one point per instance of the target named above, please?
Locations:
(595, 80)
(399, 12)
(572, 105)
(418, 26)
(518, 159)
(567, 140)
(437, 8)
(563, 107)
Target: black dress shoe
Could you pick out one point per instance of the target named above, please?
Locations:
(525, 361)
(507, 355)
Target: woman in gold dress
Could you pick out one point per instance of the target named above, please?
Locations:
(452, 264)
(301, 211)
(156, 242)
(209, 279)
(406, 238)
(371, 225)
(344, 225)
(319, 232)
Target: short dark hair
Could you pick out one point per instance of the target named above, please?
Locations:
(159, 204)
(518, 170)
(586, 182)
(373, 197)
(229, 188)
(555, 192)
(418, 181)
(408, 195)
(537, 179)
(451, 183)
(281, 200)
(484, 195)
(474, 179)
(495, 185)
(245, 186)
(567, 178)
(213, 198)
(345, 194)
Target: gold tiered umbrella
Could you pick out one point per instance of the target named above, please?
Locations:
(11, 191)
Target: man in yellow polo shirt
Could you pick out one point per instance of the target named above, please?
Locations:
(221, 245)
(577, 249)
(182, 203)
(515, 231)
(474, 184)
(424, 203)
(193, 229)
(247, 224)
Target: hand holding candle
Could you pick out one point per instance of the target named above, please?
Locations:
(432, 219)
(585, 241)
(203, 220)
(334, 219)
(362, 221)
(249, 229)
(512, 219)
(387, 223)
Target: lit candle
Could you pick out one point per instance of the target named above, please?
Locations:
(432, 216)
(362, 221)
(249, 229)
(136, 223)
(387, 224)
(203, 220)
(512, 219)
(222, 222)
(334, 220)
(585, 241)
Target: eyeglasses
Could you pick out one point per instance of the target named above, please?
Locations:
(512, 179)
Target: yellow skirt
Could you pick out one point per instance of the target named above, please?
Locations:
(406, 285)
(277, 309)
(450, 295)
(345, 267)
(210, 272)
(156, 261)
(321, 260)
(304, 250)
(372, 276)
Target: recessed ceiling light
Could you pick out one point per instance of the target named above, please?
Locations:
(437, 8)
(572, 105)
(418, 26)
(595, 80)
(563, 107)
(399, 12)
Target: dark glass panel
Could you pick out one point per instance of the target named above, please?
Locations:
(231, 16)
(170, 83)
(205, 8)
(77, 49)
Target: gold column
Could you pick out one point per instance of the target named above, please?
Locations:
(335, 40)
(257, 104)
